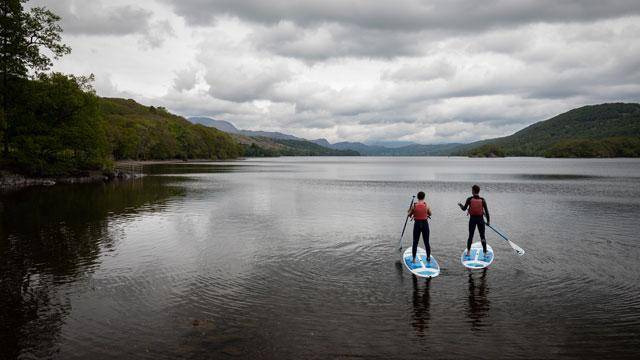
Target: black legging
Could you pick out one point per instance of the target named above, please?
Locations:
(421, 226)
(479, 222)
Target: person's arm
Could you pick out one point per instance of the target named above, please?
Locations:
(466, 204)
(486, 210)
(429, 211)
(410, 211)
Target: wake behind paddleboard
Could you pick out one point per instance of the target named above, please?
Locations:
(477, 259)
(421, 267)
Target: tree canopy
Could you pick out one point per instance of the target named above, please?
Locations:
(23, 37)
(58, 129)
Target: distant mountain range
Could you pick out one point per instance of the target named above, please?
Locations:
(270, 143)
(218, 124)
(231, 129)
(412, 149)
(390, 148)
(605, 130)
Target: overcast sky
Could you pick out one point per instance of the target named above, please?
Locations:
(423, 71)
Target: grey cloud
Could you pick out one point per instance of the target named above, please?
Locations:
(388, 118)
(407, 14)
(318, 30)
(505, 42)
(320, 124)
(156, 34)
(185, 80)
(345, 103)
(242, 84)
(335, 40)
(562, 68)
(95, 18)
(427, 71)
(607, 68)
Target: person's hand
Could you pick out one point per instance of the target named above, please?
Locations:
(459, 204)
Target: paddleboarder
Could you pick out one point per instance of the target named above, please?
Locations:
(477, 208)
(420, 212)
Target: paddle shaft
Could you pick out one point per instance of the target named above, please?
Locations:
(497, 232)
(515, 247)
(405, 225)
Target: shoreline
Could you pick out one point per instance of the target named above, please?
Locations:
(11, 181)
(173, 161)
(123, 170)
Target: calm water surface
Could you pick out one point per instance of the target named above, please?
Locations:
(297, 258)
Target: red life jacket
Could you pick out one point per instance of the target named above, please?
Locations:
(475, 207)
(420, 210)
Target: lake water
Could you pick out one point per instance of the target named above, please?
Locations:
(297, 258)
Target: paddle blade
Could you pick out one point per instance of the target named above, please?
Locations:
(518, 249)
(515, 247)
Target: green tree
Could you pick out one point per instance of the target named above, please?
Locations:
(59, 130)
(23, 36)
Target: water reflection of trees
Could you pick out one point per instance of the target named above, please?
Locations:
(52, 236)
(478, 307)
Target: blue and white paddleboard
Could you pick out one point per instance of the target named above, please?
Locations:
(421, 267)
(477, 259)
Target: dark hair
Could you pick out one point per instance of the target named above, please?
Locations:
(421, 195)
(475, 189)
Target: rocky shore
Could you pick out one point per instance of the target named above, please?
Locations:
(123, 170)
(9, 181)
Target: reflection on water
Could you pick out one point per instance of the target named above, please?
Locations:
(52, 236)
(421, 305)
(478, 307)
(298, 258)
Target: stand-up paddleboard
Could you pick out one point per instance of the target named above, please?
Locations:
(477, 259)
(421, 267)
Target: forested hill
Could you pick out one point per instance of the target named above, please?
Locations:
(606, 130)
(141, 132)
(145, 132)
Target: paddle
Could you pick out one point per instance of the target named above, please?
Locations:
(405, 224)
(515, 247)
